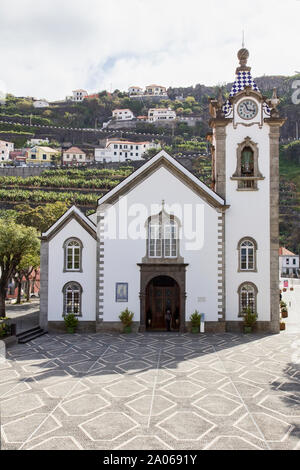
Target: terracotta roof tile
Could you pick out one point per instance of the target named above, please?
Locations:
(284, 252)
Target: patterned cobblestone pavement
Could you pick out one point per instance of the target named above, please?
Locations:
(152, 391)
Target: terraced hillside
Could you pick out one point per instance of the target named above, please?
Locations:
(80, 187)
(289, 200)
(84, 186)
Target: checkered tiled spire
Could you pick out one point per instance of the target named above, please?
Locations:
(243, 79)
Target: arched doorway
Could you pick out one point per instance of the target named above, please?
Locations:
(162, 293)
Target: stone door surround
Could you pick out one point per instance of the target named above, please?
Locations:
(176, 271)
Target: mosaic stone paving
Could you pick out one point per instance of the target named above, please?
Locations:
(152, 391)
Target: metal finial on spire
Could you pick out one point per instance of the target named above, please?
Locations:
(163, 204)
(243, 40)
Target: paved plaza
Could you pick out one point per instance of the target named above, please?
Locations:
(152, 391)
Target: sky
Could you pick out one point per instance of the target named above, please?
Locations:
(50, 47)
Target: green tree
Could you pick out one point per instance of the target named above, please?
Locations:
(15, 242)
(150, 153)
(190, 101)
(30, 261)
(40, 217)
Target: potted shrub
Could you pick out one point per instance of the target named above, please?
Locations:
(195, 320)
(284, 289)
(249, 320)
(5, 329)
(282, 326)
(126, 318)
(71, 322)
(284, 312)
(282, 304)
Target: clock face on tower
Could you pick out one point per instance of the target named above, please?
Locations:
(247, 109)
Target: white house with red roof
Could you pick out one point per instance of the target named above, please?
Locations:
(288, 263)
(123, 115)
(74, 156)
(79, 95)
(122, 150)
(135, 90)
(161, 114)
(156, 90)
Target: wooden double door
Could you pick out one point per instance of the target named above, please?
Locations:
(162, 294)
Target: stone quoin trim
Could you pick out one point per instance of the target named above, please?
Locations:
(221, 268)
(100, 268)
(275, 124)
(44, 277)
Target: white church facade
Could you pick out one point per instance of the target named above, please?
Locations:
(162, 239)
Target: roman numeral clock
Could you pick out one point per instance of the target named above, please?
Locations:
(247, 109)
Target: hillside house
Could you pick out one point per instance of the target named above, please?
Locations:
(135, 90)
(122, 150)
(40, 104)
(5, 149)
(122, 114)
(74, 156)
(78, 95)
(161, 114)
(156, 90)
(288, 263)
(42, 155)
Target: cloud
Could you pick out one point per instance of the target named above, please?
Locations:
(49, 48)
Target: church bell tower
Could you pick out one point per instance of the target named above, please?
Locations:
(245, 173)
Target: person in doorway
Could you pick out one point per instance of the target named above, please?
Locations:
(168, 318)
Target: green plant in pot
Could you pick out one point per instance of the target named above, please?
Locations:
(282, 326)
(4, 327)
(249, 320)
(71, 322)
(195, 320)
(284, 312)
(126, 318)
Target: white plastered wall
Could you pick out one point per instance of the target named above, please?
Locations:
(57, 278)
(121, 256)
(248, 215)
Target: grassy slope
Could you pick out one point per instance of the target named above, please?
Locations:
(289, 171)
(289, 202)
